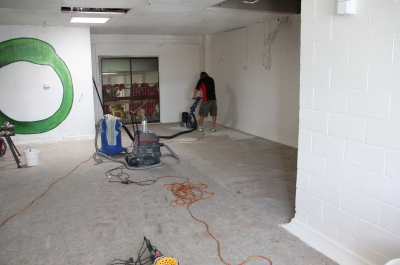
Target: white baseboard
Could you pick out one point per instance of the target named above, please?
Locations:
(324, 245)
(54, 139)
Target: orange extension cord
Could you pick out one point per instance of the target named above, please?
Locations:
(188, 192)
(41, 195)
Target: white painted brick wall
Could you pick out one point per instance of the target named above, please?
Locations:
(378, 239)
(332, 52)
(390, 218)
(323, 228)
(305, 140)
(308, 163)
(309, 204)
(328, 146)
(375, 49)
(355, 26)
(330, 100)
(344, 175)
(369, 104)
(361, 205)
(309, 10)
(381, 259)
(365, 156)
(324, 8)
(314, 121)
(395, 106)
(307, 53)
(303, 181)
(384, 77)
(383, 134)
(357, 247)
(317, 29)
(396, 55)
(301, 216)
(325, 190)
(385, 19)
(347, 127)
(314, 76)
(392, 164)
(381, 187)
(349, 140)
(349, 76)
(306, 97)
(341, 220)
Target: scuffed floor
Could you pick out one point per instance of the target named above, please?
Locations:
(83, 219)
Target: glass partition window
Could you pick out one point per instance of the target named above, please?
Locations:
(130, 86)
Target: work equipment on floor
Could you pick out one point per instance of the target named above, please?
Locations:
(146, 151)
(157, 257)
(187, 117)
(6, 131)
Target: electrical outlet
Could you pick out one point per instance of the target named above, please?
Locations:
(46, 85)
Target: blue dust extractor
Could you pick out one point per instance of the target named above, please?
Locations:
(113, 145)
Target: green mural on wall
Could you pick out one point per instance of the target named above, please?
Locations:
(41, 53)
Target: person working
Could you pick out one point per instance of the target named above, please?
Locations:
(209, 102)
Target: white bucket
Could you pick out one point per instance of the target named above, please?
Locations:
(32, 157)
(393, 262)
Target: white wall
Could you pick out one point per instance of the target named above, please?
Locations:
(22, 93)
(259, 101)
(348, 182)
(179, 66)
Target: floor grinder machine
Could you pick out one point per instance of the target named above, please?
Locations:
(146, 151)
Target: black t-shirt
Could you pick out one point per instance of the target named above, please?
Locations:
(206, 84)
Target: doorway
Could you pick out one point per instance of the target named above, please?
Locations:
(131, 85)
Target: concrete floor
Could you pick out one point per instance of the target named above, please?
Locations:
(83, 219)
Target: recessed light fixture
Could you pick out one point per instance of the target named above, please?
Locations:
(89, 19)
(91, 10)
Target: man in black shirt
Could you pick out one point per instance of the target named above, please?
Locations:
(209, 102)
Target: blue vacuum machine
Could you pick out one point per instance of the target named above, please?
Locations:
(146, 144)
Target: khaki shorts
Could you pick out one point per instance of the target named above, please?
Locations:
(209, 106)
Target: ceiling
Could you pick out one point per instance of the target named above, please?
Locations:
(146, 17)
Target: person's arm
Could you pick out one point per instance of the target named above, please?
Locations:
(195, 93)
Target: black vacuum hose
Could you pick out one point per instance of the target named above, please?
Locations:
(180, 133)
(128, 132)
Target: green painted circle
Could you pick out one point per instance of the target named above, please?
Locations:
(41, 53)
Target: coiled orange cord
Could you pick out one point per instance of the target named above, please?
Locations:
(188, 192)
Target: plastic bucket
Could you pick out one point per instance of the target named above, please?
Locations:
(32, 157)
(393, 262)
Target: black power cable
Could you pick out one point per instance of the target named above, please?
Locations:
(130, 261)
(180, 133)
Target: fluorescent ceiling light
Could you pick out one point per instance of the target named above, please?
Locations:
(110, 73)
(89, 19)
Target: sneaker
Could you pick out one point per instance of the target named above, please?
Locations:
(213, 129)
(199, 129)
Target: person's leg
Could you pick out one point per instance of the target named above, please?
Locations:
(213, 112)
(201, 120)
(203, 112)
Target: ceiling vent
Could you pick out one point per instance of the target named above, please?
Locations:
(94, 10)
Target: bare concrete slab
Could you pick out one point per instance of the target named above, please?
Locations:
(84, 219)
